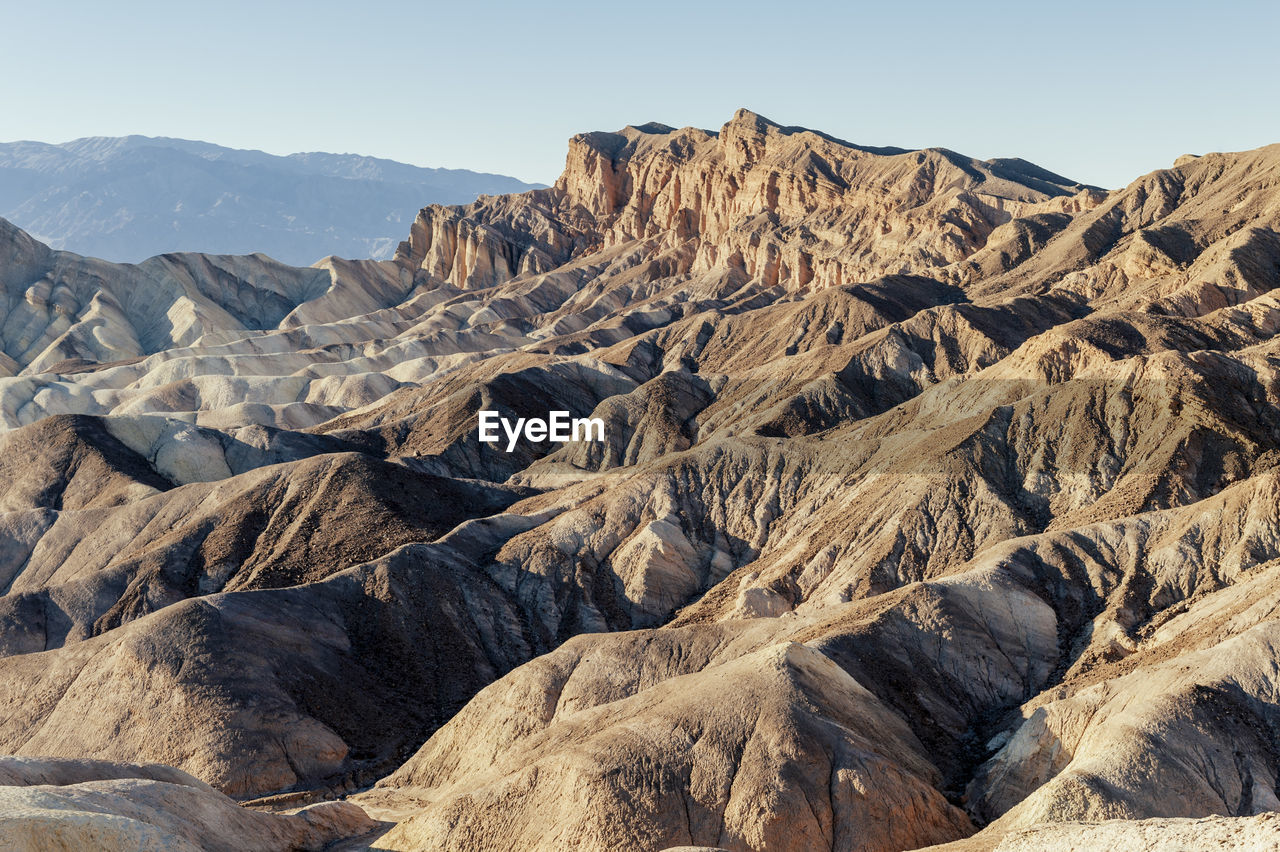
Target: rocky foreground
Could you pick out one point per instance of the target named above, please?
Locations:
(939, 503)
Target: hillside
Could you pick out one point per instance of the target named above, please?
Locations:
(937, 504)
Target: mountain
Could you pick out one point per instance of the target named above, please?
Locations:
(94, 804)
(128, 198)
(936, 505)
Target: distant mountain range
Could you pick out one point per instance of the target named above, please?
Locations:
(128, 198)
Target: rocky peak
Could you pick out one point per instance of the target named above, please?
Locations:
(745, 137)
(784, 206)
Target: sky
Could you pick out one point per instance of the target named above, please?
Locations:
(1101, 92)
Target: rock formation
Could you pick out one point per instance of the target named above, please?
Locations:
(86, 804)
(936, 505)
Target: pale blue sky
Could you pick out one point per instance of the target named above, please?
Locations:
(1099, 91)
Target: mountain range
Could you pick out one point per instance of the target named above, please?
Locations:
(938, 507)
(128, 198)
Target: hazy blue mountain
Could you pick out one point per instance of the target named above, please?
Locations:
(128, 198)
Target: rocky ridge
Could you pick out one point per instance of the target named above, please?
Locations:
(934, 489)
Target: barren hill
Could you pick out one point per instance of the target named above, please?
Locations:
(937, 503)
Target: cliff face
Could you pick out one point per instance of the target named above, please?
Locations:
(785, 206)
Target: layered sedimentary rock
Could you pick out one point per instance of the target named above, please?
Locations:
(781, 205)
(936, 505)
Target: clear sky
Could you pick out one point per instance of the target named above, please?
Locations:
(1098, 91)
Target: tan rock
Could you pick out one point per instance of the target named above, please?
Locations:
(48, 804)
(951, 480)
